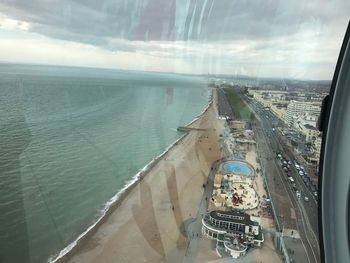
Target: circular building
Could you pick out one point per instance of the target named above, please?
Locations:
(219, 225)
(234, 246)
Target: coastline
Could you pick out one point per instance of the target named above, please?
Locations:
(117, 200)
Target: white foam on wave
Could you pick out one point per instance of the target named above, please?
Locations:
(135, 179)
(109, 203)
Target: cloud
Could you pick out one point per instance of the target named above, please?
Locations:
(203, 20)
(196, 36)
(12, 24)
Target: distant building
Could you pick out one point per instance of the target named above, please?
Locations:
(296, 108)
(275, 101)
(311, 132)
(306, 124)
(233, 231)
(316, 147)
(279, 110)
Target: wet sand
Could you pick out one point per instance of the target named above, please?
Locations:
(149, 224)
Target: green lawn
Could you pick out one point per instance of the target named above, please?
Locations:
(239, 107)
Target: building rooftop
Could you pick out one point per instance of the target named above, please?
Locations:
(219, 198)
(218, 179)
(233, 216)
(310, 127)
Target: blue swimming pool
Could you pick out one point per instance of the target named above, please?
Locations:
(238, 168)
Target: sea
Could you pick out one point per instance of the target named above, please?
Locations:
(71, 139)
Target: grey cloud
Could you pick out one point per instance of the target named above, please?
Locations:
(107, 23)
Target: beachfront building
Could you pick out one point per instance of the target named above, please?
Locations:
(275, 101)
(296, 108)
(316, 148)
(234, 231)
(306, 124)
(233, 192)
(233, 187)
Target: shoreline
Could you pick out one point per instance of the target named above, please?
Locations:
(116, 201)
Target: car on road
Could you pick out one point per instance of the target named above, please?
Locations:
(297, 192)
(291, 179)
(306, 199)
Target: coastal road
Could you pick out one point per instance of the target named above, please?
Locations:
(278, 145)
(287, 209)
(287, 205)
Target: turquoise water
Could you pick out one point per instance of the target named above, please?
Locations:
(237, 168)
(71, 138)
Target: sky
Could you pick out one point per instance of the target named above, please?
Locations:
(270, 38)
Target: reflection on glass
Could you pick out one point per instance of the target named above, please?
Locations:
(152, 131)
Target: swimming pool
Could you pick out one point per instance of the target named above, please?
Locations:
(237, 167)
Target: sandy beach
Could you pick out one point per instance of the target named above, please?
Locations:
(150, 223)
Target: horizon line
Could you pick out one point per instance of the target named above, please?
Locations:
(159, 72)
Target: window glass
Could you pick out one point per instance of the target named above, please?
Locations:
(153, 131)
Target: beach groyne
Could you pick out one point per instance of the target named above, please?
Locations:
(188, 129)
